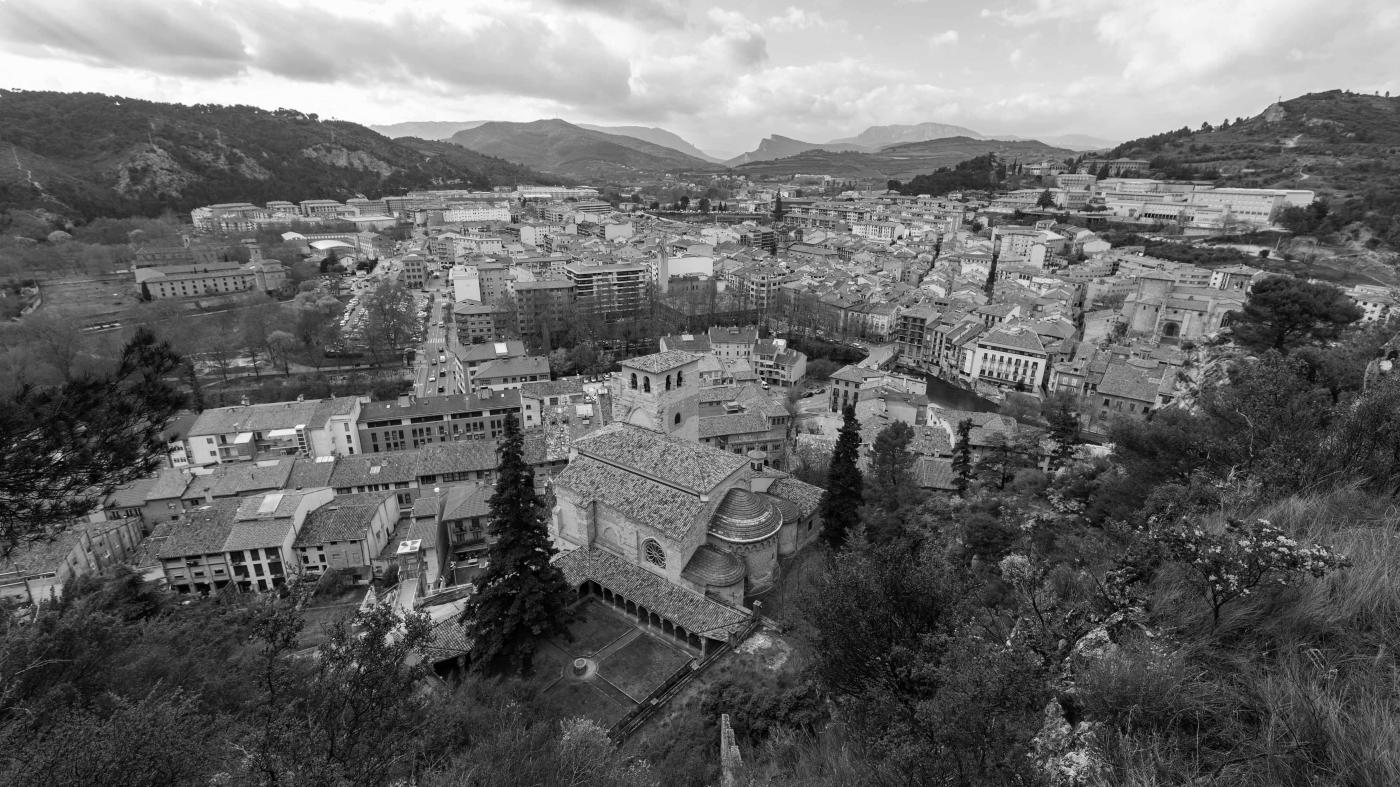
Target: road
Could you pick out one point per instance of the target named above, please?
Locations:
(435, 369)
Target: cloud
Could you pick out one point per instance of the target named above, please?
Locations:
(795, 19)
(667, 13)
(945, 38)
(1015, 56)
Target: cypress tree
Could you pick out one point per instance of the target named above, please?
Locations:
(523, 598)
(962, 457)
(844, 487)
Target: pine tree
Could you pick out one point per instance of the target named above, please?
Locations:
(1064, 430)
(523, 597)
(962, 457)
(844, 486)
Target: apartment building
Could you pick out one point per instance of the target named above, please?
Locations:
(213, 278)
(241, 433)
(246, 541)
(411, 422)
(611, 292)
(347, 534)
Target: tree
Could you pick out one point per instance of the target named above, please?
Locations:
(1046, 200)
(962, 457)
(1064, 429)
(891, 465)
(279, 346)
(1004, 456)
(704, 204)
(63, 449)
(684, 202)
(841, 502)
(523, 597)
(391, 316)
(1282, 313)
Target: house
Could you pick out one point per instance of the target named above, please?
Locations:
(346, 534)
(505, 374)
(676, 532)
(246, 542)
(455, 515)
(847, 384)
(777, 364)
(37, 570)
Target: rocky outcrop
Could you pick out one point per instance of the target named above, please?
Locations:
(337, 156)
(151, 170)
(1066, 750)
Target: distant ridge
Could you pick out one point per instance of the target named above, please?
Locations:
(427, 129)
(563, 148)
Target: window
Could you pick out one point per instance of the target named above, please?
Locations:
(654, 554)
(678, 418)
(646, 385)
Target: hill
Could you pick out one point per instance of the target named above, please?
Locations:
(777, 147)
(877, 137)
(656, 136)
(899, 162)
(426, 129)
(88, 154)
(563, 148)
(1339, 144)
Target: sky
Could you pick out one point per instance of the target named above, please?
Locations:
(723, 75)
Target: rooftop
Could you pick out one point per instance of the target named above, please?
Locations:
(669, 459)
(688, 609)
(346, 518)
(657, 363)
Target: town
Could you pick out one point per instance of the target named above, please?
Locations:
(566, 393)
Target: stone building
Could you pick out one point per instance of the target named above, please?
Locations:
(666, 524)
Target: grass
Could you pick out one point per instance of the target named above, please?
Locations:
(594, 628)
(570, 699)
(641, 666)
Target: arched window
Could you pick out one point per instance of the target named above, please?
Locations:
(680, 379)
(654, 554)
(668, 382)
(634, 381)
(646, 384)
(678, 419)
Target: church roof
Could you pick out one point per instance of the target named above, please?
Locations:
(744, 517)
(668, 459)
(641, 499)
(714, 567)
(692, 611)
(807, 497)
(660, 362)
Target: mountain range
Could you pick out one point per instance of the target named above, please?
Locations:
(897, 162)
(88, 154)
(562, 148)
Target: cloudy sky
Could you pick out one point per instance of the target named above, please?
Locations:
(723, 74)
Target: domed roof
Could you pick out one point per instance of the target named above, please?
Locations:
(714, 567)
(744, 516)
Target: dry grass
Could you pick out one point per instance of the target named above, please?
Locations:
(1297, 686)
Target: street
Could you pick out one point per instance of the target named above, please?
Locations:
(435, 370)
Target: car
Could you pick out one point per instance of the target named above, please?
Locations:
(432, 379)
(808, 394)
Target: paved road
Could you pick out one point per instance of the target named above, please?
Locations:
(435, 371)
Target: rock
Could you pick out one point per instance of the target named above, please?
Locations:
(1067, 753)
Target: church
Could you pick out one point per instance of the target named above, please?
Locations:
(678, 533)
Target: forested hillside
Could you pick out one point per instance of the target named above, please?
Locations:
(87, 154)
(1345, 146)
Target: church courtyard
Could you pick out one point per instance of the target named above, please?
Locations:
(623, 662)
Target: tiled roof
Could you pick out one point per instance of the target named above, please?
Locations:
(358, 470)
(132, 495)
(512, 367)
(447, 404)
(42, 556)
(346, 518)
(447, 640)
(669, 459)
(171, 483)
(456, 456)
(308, 473)
(657, 363)
(466, 501)
(744, 517)
(654, 504)
(562, 387)
(266, 417)
(686, 608)
(1130, 382)
(930, 473)
(714, 567)
(239, 478)
(1020, 340)
(203, 532)
(807, 497)
(930, 441)
(735, 423)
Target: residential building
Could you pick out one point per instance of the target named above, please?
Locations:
(543, 311)
(36, 571)
(411, 422)
(777, 364)
(505, 374)
(407, 473)
(1010, 357)
(245, 541)
(346, 534)
(312, 427)
(213, 278)
(610, 292)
